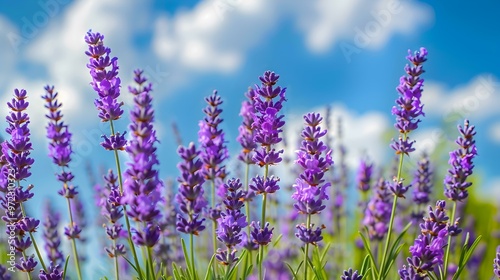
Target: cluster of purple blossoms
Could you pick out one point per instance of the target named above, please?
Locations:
(246, 132)
(231, 222)
(351, 275)
(378, 211)
(496, 263)
(105, 81)
(428, 250)
(60, 151)
(455, 182)
(142, 184)
(111, 209)
(211, 138)
(315, 159)
(267, 124)
(408, 107)
(54, 273)
(51, 235)
(16, 156)
(422, 182)
(190, 195)
(364, 176)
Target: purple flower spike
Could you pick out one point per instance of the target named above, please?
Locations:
(231, 222)
(267, 124)
(211, 138)
(53, 274)
(29, 224)
(455, 182)
(261, 236)
(364, 176)
(496, 263)
(141, 177)
(246, 132)
(409, 108)
(315, 159)
(428, 250)
(105, 80)
(378, 211)
(351, 275)
(27, 264)
(308, 234)
(190, 196)
(422, 180)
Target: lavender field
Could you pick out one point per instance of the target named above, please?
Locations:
(262, 177)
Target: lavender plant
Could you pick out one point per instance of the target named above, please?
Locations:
(144, 219)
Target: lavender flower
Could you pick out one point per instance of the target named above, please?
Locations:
(455, 182)
(53, 274)
(267, 124)
(428, 250)
(408, 107)
(350, 275)
(364, 175)
(378, 211)
(141, 178)
(111, 209)
(422, 181)
(51, 236)
(231, 222)
(4, 275)
(211, 138)
(246, 132)
(311, 188)
(105, 81)
(27, 264)
(261, 235)
(190, 196)
(496, 263)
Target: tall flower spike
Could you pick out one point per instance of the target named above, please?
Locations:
(408, 107)
(364, 175)
(246, 132)
(51, 235)
(231, 222)
(428, 250)
(422, 182)
(105, 80)
(141, 177)
(455, 182)
(190, 195)
(378, 211)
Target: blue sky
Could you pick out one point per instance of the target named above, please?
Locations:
(189, 48)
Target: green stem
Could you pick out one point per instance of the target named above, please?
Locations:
(117, 270)
(391, 221)
(73, 242)
(214, 226)
(447, 254)
(306, 251)
(32, 238)
(263, 222)
(247, 209)
(191, 248)
(127, 222)
(150, 257)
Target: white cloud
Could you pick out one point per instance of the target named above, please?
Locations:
(214, 35)
(366, 24)
(478, 99)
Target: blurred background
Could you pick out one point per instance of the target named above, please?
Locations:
(347, 55)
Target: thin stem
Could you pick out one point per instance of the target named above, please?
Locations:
(247, 209)
(191, 248)
(127, 222)
(306, 251)
(263, 222)
(117, 269)
(214, 225)
(32, 237)
(447, 254)
(73, 241)
(391, 221)
(150, 257)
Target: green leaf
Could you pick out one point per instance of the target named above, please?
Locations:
(366, 244)
(294, 273)
(464, 258)
(65, 267)
(209, 267)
